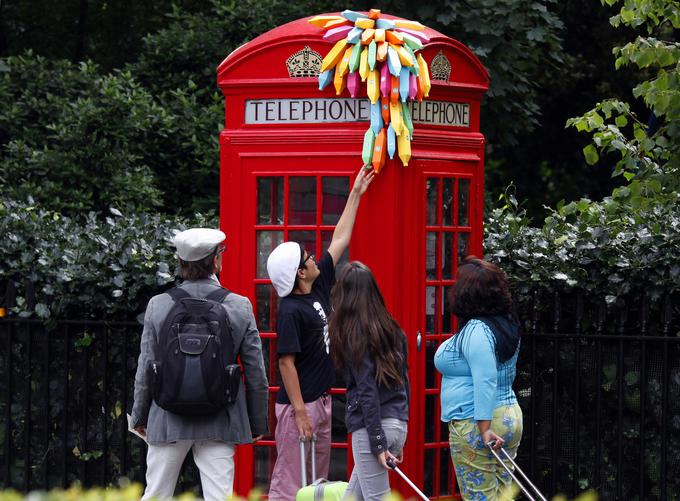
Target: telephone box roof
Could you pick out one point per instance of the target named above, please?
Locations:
(249, 61)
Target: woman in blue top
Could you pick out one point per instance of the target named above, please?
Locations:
(478, 368)
(367, 342)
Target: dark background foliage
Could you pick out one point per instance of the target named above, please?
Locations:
(86, 234)
(548, 61)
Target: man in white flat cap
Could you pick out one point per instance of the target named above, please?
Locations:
(303, 406)
(197, 414)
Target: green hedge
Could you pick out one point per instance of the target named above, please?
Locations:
(94, 265)
(86, 266)
(605, 249)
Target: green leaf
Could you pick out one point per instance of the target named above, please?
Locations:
(621, 121)
(591, 155)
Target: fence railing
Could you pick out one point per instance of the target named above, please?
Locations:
(599, 386)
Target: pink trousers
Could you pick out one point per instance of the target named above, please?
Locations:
(287, 475)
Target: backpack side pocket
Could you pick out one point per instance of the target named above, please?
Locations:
(232, 375)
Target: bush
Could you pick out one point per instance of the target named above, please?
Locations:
(600, 248)
(75, 140)
(86, 265)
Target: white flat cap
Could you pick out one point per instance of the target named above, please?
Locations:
(196, 243)
(282, 266)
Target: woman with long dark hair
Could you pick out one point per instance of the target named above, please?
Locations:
(478, 367)
(370, 346)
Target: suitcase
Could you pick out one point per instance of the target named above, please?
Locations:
(519, 483)
(320, 489)
(413, 486)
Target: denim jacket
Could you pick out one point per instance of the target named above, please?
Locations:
(368, 403)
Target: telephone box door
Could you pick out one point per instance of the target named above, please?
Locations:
(304, 205)
(450, 222)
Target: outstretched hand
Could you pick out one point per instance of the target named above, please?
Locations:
(363, 179)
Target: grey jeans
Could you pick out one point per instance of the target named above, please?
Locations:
(369, 480)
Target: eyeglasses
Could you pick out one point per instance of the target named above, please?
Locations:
(220, 249)
(303, 263)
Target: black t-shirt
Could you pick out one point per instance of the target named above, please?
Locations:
(302, 329)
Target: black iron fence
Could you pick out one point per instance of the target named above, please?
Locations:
(599, 386)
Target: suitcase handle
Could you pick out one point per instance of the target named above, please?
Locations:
(303, 465)
(524, 489)
(393, 465)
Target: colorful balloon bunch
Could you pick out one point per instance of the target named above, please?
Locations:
(384, 54)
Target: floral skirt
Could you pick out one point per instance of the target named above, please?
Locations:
(479, 474)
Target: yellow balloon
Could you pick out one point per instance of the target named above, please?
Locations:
(363, 64)
(334, 56)
(373, 86)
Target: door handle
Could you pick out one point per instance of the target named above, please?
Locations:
(419, 340)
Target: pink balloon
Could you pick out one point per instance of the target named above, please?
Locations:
(335, 34)
(385, 80)
(412, 86)
(353, 83)
(420, 35)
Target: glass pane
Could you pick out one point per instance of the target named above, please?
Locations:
(430, 370)
(302, 200)
(266, 243)
(444, 472)
(463, 246)
(447, 317)
(338, 469)
(335, 193)
(265, 457)
(428, 469)
(447, 256)
(431, 255)
(431, 418)
(326, 237)
(306, 238)
(444, 432)
(463, 202)
(272, 416)
(338, 428)
(271, 362)
(447, 202)
(266, 307)
(270, 200)
(429, 309)
(431, 188)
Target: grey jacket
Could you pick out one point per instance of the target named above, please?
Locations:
(236, 424)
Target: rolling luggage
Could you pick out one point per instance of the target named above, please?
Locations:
(521, 485)
(320, 489)
(393, 465)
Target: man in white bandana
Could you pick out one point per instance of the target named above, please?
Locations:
(303, 406)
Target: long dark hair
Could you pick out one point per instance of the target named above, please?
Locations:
(482, 291)
(360, 323)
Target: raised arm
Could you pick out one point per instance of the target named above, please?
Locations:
(343, 231)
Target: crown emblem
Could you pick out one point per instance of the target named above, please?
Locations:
(304, 63)
(440, 67)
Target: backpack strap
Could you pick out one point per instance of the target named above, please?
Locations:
(177, 293)
(218, 295)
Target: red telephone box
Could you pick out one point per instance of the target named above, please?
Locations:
(289, 154)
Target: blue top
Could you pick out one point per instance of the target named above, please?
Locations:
(474, 383)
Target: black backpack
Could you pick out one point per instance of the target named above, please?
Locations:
(195, 370)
